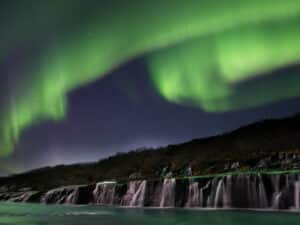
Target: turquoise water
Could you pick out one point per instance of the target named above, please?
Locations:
(30, 214)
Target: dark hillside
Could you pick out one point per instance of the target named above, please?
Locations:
(266, 145)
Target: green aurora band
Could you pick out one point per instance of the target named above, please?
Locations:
(197, 52)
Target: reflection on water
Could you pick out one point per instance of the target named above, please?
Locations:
(30, 214)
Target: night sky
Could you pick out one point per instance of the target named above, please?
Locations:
(122, 112)
(82, 80)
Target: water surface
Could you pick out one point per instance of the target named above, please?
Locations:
(31, 214)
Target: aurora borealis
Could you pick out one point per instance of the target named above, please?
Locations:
(199, 53)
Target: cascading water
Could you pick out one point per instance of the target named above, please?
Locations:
(168, 193)
(275, 180)
(193, 195)
(139, 195)
(281, 191)
(104, 192)
(63, 195)
(297, 195)
(276, 200)
(262, 195)
(227, 198)
(71, 199)
(135, 194)
(219, 193)
(213, 192)
(203, 190)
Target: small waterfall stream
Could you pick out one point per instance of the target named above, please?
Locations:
(71, 199)
(227, 195)
(194, 194)
(168, 193)
(63, 195)
(135, 194)
(262, 195)
(297, 195)
(275, 180)
(139, 195)
(104, 192)
(219, 194)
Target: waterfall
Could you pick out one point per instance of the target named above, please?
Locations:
(297, 195)
(253, 195)
(262, 195)
(104, 192)
(227, 193)
(222, 193)
(63, 195)
(201, 198)
(168, 193)
(135, 193)
(275, 180)
(241, 191)
(139, 195)
(213, 192)
(276, 183)
(202, 194)
(71, 198)
(276, 200)
(219, 193)
(194, 194)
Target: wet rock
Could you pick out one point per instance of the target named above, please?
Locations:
(25, 189)
(286, 200)
(120, 191)
(135, 176)
(188, 172)
(286, 163)
(281, 155)
(4, 196)
(227, 166)
(264, 163)
(164, 171)
(169, 175)
(4, 188)
(235, 165)
(153, 193)
(31, 196)
(181, 192)
(34, 197)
